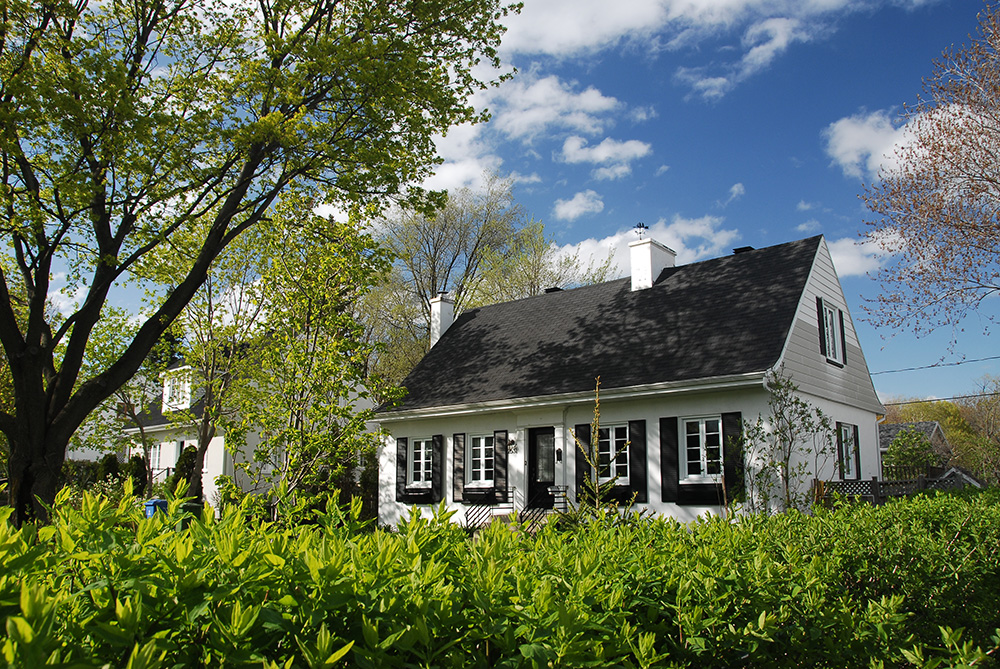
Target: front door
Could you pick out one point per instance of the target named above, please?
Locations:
(541, 466)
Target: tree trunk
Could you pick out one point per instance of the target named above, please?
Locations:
(206, 432)
(35, 471)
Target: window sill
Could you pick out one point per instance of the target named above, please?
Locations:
(418, 488)
(835, 363)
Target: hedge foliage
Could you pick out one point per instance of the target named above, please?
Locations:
(852, 586)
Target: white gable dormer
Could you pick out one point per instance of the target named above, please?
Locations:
(177, 389)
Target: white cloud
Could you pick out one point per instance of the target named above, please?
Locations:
(585, 202)
(854, 258)
(528, 106)
(519, 178)
(692, 238)
(662, 169)
(753, 33)
(736, 191)
(804, 206)
(67, 301)
(613, 154)
(642, 114)
(762, 43)
(863, 144)
(812, 225)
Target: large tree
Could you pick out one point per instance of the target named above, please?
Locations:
(126, 123)
(938, 204)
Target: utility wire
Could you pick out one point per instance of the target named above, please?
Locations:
(937, 364)
(940, 399)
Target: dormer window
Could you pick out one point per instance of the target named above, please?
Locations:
(832, 342)
(177, 389)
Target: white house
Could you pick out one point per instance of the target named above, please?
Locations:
(171, 427)
(682, 353)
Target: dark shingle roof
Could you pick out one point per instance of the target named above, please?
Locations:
(729, 315)
(887, 432)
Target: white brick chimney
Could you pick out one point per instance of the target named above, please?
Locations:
(649, 257)
(442, 315)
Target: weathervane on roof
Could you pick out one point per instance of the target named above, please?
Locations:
(641, 228)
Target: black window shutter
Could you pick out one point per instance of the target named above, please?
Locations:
(582, 433)
(402, 443)
(500, 464)
(857, 452)
(437, 468)
(822, 325)
(637, 460)
(843, 338)
(669, 472)
(458, 467)
(734, 462)
(840, 450)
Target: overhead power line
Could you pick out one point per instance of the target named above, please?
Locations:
(937, 364)
(940, 399)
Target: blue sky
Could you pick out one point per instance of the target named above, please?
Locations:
(720, 123)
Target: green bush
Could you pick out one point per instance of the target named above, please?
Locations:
(852, 586)
(108, 468)
(184, 468)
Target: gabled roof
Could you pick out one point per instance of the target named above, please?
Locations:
(887, 432)
(720, 317)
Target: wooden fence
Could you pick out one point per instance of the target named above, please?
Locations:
(877, 492)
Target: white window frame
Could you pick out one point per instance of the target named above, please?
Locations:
(616, 451)
(155, 457)
(483, 475)
(703, 436)
(177, 389)
(832, 335)
(419, 470)
(848, 451)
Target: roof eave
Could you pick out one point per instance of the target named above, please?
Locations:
(708, 384)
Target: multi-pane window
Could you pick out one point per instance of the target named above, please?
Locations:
(847, 445)
(833, 341)
(702, 449)
(419, 474)
(177, 390)
(612, 454)
(480, 458)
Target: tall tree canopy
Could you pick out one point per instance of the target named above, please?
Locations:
(938, 206)
(129, 126)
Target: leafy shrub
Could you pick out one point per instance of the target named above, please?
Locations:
(80, 473)
(137, 472)
(108, 468)
(851, 586)
(911, 448)
(184, 468)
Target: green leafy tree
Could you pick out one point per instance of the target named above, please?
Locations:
(307, 396)
(222, 325)
(911, 448)
(982, 411)
(784, 449)
(128, 129)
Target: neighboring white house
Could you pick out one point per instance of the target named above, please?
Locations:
(170, 434)
(682, 353)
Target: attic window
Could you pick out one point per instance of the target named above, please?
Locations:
(832, 342)
(177, 390)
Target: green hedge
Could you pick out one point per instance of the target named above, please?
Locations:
(853, 586)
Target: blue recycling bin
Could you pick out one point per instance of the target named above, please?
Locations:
(154, 504)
